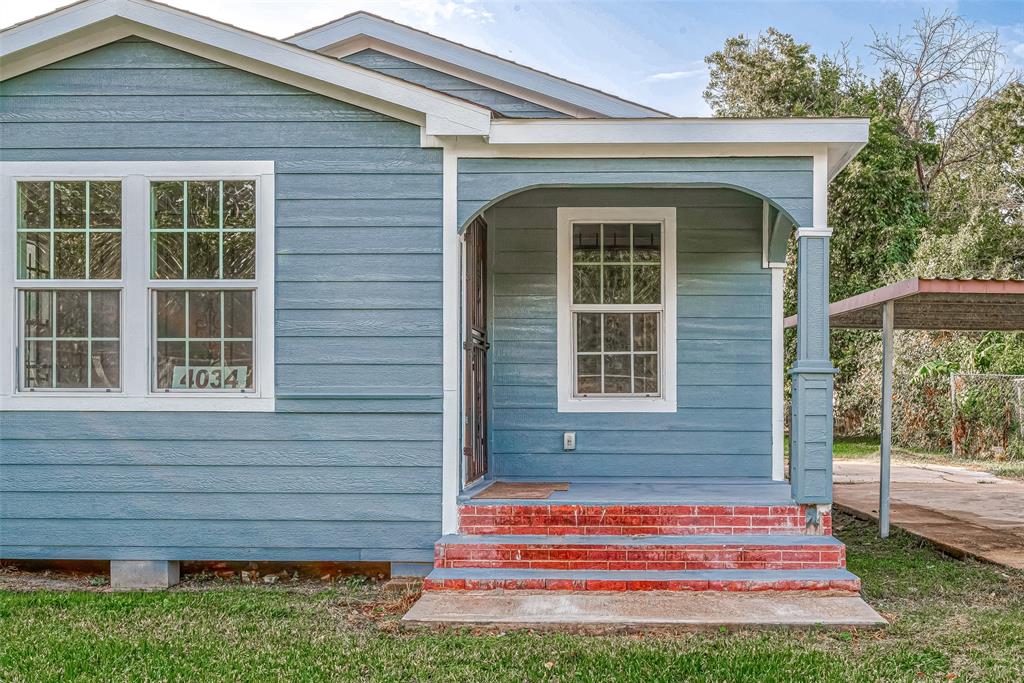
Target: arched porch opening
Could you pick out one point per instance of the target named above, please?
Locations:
(722, 424)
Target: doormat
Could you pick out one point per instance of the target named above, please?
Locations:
(521, 490)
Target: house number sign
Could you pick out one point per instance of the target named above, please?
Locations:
(223, 377)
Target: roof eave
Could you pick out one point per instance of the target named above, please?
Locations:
(326, 36)
(92, 23)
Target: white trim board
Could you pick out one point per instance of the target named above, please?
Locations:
(93, 23)
(567, 403)
(836, 140)
(451, 358)
(136, 285)
(465, 62)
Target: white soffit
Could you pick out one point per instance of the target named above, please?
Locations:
(92, 23)
(362, 30)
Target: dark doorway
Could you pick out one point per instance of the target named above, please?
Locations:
(475, 442)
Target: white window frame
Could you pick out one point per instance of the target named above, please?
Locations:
(137, 326)
(568, 402)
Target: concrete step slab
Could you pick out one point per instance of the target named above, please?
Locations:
(641, 611)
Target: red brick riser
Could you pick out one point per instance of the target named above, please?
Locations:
(617, 557)
(635, 520)
(844, 586)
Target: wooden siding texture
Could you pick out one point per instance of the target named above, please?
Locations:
(723, 424)
(786, 181)
(507, 105)
(352, 473)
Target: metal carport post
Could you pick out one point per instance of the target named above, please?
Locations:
(923, 304)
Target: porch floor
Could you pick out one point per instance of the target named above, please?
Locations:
(680, 491)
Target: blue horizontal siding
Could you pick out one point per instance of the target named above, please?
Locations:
(722, 426)
(783, 180)
(508, 105)
(349, 465)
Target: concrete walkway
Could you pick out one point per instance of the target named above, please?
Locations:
(641, 610)
(964, 512)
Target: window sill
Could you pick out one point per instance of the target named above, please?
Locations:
(616, 405)
(94, 402)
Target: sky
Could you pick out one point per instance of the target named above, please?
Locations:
(650, 52)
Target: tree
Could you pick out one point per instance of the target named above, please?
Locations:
(936, 191)
(875, 204)
(944, 69)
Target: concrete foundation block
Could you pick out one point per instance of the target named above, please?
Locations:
(126, 575)
(411, 569)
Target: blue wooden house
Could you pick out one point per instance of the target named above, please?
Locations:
(365, 294)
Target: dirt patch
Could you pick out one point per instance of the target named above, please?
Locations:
(19, 578)
(16, 579)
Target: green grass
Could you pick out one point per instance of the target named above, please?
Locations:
(867, 447)
(948, 618)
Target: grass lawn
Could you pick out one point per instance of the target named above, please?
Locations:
(864, 447)
(950, 619)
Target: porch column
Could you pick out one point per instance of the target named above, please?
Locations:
(810, 437)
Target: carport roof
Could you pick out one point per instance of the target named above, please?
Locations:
(934, 304)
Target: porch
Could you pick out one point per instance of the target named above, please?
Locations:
(621, 337)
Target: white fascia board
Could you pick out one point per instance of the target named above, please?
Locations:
(326, 38)
(80, 27)
(678, 130)
(843, 138)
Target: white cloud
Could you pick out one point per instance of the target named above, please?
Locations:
(675, 75)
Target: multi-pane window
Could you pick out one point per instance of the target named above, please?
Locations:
(204, 339)
(203, 230)
(68, 235)
(616, 308)
(138, 281)
(71, 339)
(69, 230)
(616, 327)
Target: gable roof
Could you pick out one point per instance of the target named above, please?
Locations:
(89, 24)
(362, 30)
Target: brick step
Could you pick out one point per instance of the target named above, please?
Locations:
(630, 520)
(838, 580)
(640, 552)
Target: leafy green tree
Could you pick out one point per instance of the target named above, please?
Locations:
(937, 191)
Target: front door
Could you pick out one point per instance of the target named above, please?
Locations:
(475, 441)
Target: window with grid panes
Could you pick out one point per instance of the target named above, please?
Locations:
(203, 236)
(129, 274)
(617, 309)
(69, 241)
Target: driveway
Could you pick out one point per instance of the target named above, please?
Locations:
(965, 512)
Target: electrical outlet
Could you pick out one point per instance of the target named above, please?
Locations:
(569, 441)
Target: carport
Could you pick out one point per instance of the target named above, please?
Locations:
(924, 304)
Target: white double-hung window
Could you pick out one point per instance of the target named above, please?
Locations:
(616, 309)
(137, 285)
